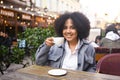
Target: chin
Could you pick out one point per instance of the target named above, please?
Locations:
(69, 39)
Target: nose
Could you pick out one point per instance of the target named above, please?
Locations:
(68, 30)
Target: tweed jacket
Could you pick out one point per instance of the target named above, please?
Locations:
(54, 56)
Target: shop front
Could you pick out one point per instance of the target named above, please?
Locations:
(40, 21)
(7, 22)
(13, 22)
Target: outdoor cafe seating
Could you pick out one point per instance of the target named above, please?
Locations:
(109, 64)
(102, 51)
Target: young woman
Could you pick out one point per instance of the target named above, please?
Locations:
(75, 53)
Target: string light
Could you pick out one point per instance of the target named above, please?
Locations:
(4, 7)
(26, 8)
(20, 9)
(11, 6)
(31, 9)
(32, 14)
(1, 2)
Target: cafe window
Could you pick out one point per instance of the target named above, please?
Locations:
(40, 21)
(7, 25)
(24, 20)
(10, 30)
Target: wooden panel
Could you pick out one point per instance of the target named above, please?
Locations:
(99, 56)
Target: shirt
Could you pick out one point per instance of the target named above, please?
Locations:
(71, 59)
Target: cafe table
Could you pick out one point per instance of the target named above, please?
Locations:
(36, 72)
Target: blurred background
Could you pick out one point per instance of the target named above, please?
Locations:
(17, 15)
(25, 24)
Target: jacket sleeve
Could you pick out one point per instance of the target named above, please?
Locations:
(41, 56)
(90, 58)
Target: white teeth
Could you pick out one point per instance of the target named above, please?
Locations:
(68, 36)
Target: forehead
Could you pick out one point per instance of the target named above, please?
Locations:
(68, 21)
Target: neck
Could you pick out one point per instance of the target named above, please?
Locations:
(72, 45)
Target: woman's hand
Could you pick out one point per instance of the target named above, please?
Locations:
(49, 41)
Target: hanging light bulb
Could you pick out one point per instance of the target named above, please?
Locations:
(32, 14)
(11, 6)
(1, 2)
(20, 9)
(26, 8)
(31, 9)
(4, 7)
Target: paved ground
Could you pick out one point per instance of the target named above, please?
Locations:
(13, 67)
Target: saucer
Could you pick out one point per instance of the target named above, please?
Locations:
(57, 72)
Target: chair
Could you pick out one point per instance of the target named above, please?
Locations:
(115, 50)
(100, 52)
(109, 64)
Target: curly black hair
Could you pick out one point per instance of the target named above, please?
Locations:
(80, 22)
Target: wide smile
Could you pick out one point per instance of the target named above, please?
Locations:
(68, 35)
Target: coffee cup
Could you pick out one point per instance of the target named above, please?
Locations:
(58, 40)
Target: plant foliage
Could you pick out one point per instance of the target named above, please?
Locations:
(34, 37)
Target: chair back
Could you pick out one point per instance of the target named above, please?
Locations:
(100, 52)
(115, 50)
(109, 64)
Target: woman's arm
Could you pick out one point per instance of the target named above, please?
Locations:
(90, 58)
(41, 55)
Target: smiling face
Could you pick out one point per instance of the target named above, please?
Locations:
(69, 31)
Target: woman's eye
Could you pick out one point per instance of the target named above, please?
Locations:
(72, 27)
(65, 27)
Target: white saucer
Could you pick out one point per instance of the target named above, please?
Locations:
(57, 72)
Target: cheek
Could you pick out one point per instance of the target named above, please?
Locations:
(75, 32)
(63, 32)
(76, 35)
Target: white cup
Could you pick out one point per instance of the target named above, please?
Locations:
(58, 40)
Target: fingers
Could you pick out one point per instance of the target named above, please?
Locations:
(49, 41)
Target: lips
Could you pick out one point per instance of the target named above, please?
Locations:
(69, 35)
